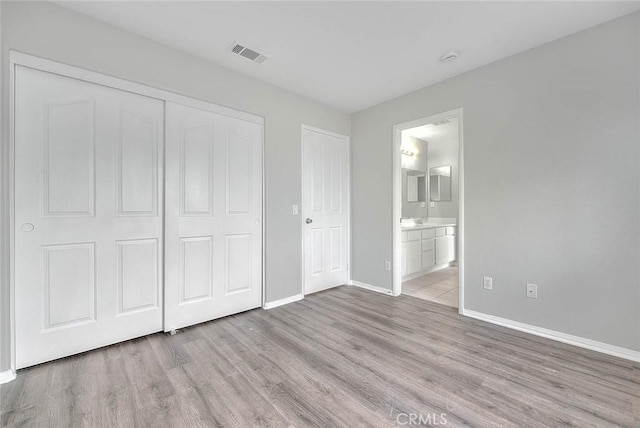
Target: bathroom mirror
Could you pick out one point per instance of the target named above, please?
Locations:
(440, 183)
(415, 185)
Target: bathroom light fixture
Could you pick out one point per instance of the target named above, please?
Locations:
(408, 152)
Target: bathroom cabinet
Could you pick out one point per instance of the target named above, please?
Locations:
(427, 249)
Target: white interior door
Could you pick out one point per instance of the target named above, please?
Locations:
(324, 208)
(88, 216)
(213, 235)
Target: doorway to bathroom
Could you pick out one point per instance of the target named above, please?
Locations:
(428, 216)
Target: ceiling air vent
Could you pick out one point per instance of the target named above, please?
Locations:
(245, 52)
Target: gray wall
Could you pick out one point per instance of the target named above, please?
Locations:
(52, 32)
(552, 182)
(444, 152)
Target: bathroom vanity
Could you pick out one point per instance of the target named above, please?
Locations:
(427, 247)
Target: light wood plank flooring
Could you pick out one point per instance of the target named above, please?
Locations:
(343, 357)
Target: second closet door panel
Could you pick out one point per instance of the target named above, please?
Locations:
(213, 225)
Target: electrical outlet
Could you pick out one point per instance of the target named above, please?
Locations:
(488, 283)
(294, 210)
(387, 265)
(433, 204)
(532, 291)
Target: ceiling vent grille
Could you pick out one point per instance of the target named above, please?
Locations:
(245, 52)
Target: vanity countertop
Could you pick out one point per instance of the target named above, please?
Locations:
(427, 226)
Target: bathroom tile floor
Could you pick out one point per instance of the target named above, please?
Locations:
(440, 286)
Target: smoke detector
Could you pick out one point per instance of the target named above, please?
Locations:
(247, 53)
(449, 56)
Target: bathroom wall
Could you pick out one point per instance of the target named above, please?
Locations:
(442, 150)
(417, 162)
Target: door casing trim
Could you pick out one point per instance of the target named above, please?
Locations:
(397, 199)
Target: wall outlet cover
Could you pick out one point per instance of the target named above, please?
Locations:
(532, 291)
(433, 204)
(387, 265)
(294, 210)
(487, 282)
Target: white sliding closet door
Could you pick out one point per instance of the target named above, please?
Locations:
(88, 216)
(213, 235)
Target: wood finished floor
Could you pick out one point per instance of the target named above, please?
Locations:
(344, 357)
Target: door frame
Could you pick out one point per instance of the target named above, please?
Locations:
(397, 199)
(21, 59)
(301, 212)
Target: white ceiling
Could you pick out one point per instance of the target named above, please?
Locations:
(352, 55)
(430, 131)
(433, 132)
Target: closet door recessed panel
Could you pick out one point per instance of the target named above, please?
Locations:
(69, 156)
(137, 163)
(196, 170)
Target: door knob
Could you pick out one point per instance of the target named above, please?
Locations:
(27, 227)
(308, 220)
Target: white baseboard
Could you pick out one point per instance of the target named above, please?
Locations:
(428, 271)
(581, 342)
(286, 300)
(370, 287)
(7, 376)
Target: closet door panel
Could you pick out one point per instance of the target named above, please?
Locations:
(88, 231)
(213, 235)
